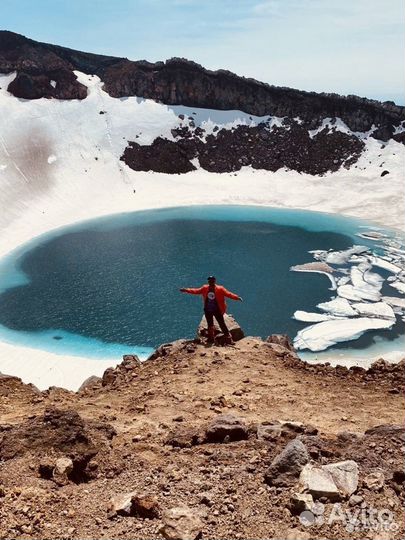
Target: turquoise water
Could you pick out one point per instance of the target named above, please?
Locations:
(109, 286)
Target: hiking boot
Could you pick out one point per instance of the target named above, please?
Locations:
(211, 334)
(229, 340)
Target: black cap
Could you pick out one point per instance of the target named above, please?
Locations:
(211, 278)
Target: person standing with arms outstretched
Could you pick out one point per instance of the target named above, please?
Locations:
(214, 305)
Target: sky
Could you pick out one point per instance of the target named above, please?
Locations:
(343, 46)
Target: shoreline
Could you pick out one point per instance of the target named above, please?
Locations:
(46, 369)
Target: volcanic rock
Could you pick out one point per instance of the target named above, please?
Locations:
(286, 466)
(226, 428)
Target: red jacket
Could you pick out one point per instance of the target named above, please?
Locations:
(220, 294)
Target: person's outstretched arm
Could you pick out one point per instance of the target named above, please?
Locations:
(232, 295)
(192, 291)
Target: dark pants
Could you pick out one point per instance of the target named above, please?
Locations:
(209, 315)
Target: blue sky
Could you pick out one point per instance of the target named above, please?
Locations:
(343, 46)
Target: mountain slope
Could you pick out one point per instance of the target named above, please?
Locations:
(181, 82)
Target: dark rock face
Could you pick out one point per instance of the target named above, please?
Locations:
(181, 82)
(261, 147)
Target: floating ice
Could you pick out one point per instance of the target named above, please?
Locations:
(306, 316)
(352, 293)
(342, 257)
(394, 301)
(318, 337)
(386, 265)
(399, 286)
(375, 309)
(338, 306)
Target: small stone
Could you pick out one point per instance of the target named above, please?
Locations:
(62, 470)
(180, 523)
(374, 480)
(355, 500)
(301, 502)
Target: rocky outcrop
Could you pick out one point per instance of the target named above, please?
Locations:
(261, 147)
(65, 442)
(233, 327)
(179, 81)
(226, 428)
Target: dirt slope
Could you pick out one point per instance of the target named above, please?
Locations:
(145, 429)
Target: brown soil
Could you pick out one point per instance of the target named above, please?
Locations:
(142, 430)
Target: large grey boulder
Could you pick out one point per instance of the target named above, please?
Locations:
(334, 481)
(233, 327)
(180, 523)
(287, 466)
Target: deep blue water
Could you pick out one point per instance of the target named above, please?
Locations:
(111, 285)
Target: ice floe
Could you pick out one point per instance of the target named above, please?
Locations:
(359, 305)
(394, 301)
(320, 336)
(386, 265)
(352, 293)
(374, 309)
(306, 316)
(338, 306)
(399, 286)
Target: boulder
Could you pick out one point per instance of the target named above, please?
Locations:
(286, 466)
(318, 483)
(109, 377)
(130, 361)
(180, 523)
(91, 381)
(233, 327)
(345, 474)
(333, 481)
(226, 428)
(145, 506)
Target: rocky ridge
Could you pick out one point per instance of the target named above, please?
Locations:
(307, 137)
(243, 441)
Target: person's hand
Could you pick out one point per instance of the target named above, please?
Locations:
(240, 299)
(183, 290)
